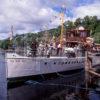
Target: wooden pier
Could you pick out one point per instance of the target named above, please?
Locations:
(89, 70)
(94, 73)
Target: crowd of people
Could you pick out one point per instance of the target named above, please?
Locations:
(54, 49)
(49, 49)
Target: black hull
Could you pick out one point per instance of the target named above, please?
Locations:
(21, 80)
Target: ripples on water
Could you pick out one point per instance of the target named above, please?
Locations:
(62, 88)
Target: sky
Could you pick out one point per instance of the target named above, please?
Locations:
(36, 15)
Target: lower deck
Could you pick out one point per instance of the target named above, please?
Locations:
(20, 67)
(42, 77)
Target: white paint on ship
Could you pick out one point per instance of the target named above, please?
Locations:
(19, 66)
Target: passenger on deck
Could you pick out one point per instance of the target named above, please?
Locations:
(34, 48)
(59, 49)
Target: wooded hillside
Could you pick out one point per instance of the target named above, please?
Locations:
(89, 22)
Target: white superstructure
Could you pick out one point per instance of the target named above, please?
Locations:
(19, 66)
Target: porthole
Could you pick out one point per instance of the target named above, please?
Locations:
(45, 63)
(68, 62)
(65, 62)
(54, 62)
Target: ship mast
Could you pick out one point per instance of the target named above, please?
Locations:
(62, 24)
(11, 37)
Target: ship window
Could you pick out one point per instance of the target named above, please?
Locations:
(45, 63)
(54, 62)
(68, 62)
(13, 55)
(65, 62)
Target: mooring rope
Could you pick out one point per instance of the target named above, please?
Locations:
(61, 75)
(31, 82)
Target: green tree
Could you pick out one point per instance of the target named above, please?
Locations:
(5, 44)
(78, 22)
(69, 25)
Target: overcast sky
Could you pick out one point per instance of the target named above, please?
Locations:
(35, 15)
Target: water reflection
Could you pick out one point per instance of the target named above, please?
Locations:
(70, 87)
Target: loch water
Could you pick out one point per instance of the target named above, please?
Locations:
(64, 87)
